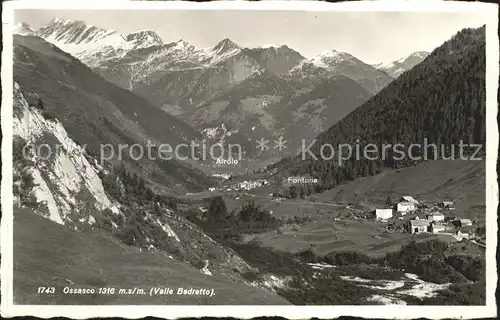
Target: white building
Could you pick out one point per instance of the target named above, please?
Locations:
(404, 207)
(466, 222)
(437, 227)
(383, 214)
(211, 189)
(419, 226)
(435, 216)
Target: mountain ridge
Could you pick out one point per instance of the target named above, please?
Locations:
(98, 112)
(418, 104)
(397, 67)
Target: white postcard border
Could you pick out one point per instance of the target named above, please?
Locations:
(292, 312)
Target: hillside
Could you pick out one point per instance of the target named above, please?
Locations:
(421, 104)
(71, 188)
(461, 181)
(304, 115)
(96, 112)
(50, 254)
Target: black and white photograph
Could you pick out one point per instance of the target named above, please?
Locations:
(253, 156)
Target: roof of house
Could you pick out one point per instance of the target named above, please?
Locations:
(466, 220)
(409, 199)
(438, 226)
(419, 223)
(406, 203)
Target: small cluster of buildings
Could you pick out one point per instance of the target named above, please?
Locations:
(433, 224)
(406, 204)
(248, 185)
(434, 221)
(243, 185)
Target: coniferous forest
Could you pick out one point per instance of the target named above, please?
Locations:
(442, 100)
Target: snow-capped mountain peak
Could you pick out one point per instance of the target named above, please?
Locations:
(74, 32)
(145, 38)
(331, 58)
(419, 55)
(396, 68)
(325, 60)
(274, 46)
(23, 29)
(184, 45)
(92, 44)
(225, 45)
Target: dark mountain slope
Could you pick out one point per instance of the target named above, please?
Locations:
(441, 99)
(96, 112)
(304, 115)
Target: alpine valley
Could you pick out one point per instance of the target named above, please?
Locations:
(89, 213)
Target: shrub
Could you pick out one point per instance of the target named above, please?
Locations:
(473, 268)
(47, 115)
(213, 254)
(347, 258)
(104, 223)
(251, 276)
(217, 208)
(198, 263)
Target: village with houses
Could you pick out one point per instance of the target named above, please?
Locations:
(336, 221)
(242, 185)
(419, 217)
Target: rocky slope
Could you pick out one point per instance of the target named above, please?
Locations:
(56, 179)
(102, 116)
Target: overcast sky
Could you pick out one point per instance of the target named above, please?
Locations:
(371, 36)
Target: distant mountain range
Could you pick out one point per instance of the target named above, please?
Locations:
(396, 68)
(221, 90)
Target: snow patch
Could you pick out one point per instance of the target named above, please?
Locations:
(386, 300)
(419, 288)
(168, 230)
(320, 266)
(43, 194)
(425, 290)
(205, 270)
